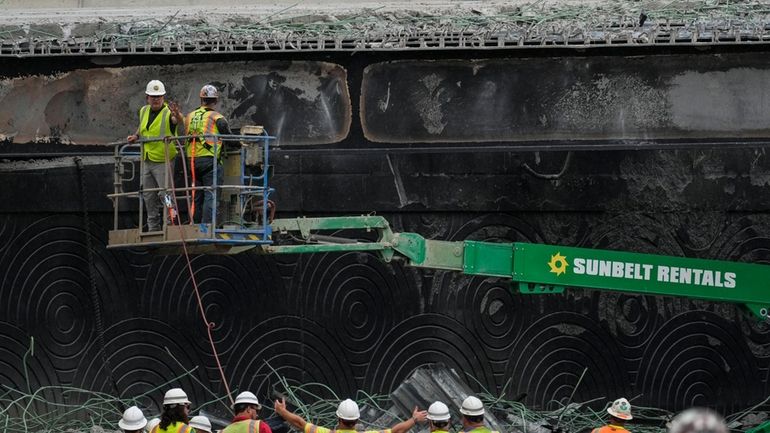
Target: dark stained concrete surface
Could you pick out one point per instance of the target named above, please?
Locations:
(337, 319)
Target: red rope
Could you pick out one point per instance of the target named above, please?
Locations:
(191, 206)
(209, 325)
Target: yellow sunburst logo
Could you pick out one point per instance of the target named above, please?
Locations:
(558, 264)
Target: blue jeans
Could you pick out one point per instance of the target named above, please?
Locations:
(204, 176)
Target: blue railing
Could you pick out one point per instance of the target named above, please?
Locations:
(252, 189)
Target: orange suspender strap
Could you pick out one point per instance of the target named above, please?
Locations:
(191, 207)
(211, 122)
(254, 426)
(313, 428)
(184, 428)
(192, 184)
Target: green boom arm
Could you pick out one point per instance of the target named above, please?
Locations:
(537, 268)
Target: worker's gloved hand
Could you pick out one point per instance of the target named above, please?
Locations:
(176, 113)
(419, 415)
(280, 406)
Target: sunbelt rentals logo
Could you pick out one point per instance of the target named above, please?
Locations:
(562, 265)
(558, 264)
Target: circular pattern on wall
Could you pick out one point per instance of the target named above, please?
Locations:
(486, 306)
(551, 355)
(7, 231)
(745, 240)
(693, 358)
(300, 350)
(497, 228)
(14, 345)
(427, 339)
(640, 233)
(46, 287)
(356, 296)
(632, 320)
(137, 362)
(237, 291)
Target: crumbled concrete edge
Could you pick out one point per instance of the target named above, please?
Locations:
(554, 21)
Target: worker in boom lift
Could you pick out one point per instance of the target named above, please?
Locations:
(133, 420)
(347, 418)
(438, 417)
(473, 416)
(620, 412)
(157, 120)
(246, 408)
(204, 151)
(176, 412)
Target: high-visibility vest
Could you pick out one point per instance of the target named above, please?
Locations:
(610, 428)
(159, 128)
(202, 122)
(245, 426)
(312, 428)
(177, 427)
(480, 429)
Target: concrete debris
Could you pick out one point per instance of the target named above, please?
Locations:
(436, 382)
(392, 25)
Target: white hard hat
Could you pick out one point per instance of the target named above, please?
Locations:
(248, 398)
(133, 419)
(155, 88)
(438, 411)
(472, 406)
(697, 419)
(151, 424)
(200, 423)
(175, 396)
(621, 409)
(209, 91)
(348, 410)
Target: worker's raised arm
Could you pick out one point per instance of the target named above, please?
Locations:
(404, 426)
(291, 418)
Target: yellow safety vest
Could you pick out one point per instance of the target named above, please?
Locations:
(177, 427)
(160, 127)
(201, 122)
(312, 428)
(482, 429)
(245, 426)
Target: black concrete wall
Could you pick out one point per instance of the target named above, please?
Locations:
(352, 322)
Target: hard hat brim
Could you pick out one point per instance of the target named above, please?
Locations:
(439, 417)
(155, 93)
(251, 402)
(130, 426)
(623, 416)
(472, 412)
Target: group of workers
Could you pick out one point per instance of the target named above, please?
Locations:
(159, 123)
(175, 417)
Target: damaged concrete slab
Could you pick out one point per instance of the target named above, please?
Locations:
(193, 27)
(100, 105)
